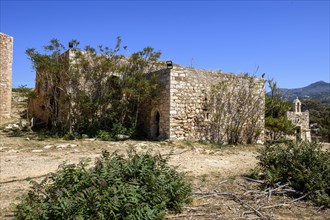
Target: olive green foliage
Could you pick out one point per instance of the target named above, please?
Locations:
(23, 89)
(104, 135)
(87, 90)
(276, 121)
(278, 127)
(235, 113)
(319, 114)
(303, 165)
(69, 136)
(142, 186)
(325, 125)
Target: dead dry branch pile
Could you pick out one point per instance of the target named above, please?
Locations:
(254, 200)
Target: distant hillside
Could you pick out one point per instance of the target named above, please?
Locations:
(319, 91)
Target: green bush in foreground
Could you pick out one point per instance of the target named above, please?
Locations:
(305, 166)
(141, 186)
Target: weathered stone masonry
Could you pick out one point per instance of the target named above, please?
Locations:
(183, 103)
(183, 106)
(6, 61)
(300, 120)
(189, 91)
(155, 119)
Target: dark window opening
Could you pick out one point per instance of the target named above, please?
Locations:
(298, 133)
(157, 123)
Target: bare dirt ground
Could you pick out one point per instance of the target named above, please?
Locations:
(216, 174)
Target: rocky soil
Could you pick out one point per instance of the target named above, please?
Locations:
(25, 157)
(216, 173)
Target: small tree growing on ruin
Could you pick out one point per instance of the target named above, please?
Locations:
(237, 106)
(94, 89)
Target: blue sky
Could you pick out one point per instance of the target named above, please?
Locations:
(288, 40)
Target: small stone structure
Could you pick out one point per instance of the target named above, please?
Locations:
(300, 120)
(6, 62)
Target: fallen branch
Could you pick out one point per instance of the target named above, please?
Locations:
(250, 207)
(285, 203)
(173, 154)
(25, 179)
(253, 180)
(320, 208)
(300, 198)
(274, 206)
(224, 181)
(213, 194)
(255, 192)
(269, 196)
(192, 215)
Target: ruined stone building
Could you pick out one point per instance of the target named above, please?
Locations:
(189, 105)
(187, 109)
(300, 120)
(6, 62)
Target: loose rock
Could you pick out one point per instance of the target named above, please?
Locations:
(48, 146)
(60, 146)
(122, 137)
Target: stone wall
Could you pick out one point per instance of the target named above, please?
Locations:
(185, 109)
(189, 89)
(6, 61)
(190, 110)
(155, 117)
(301, 120)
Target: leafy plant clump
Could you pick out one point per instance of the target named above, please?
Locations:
(69, 136)
(104, 136)
(303, 165)
(141, 186)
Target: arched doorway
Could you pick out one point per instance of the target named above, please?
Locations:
(155, 124)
